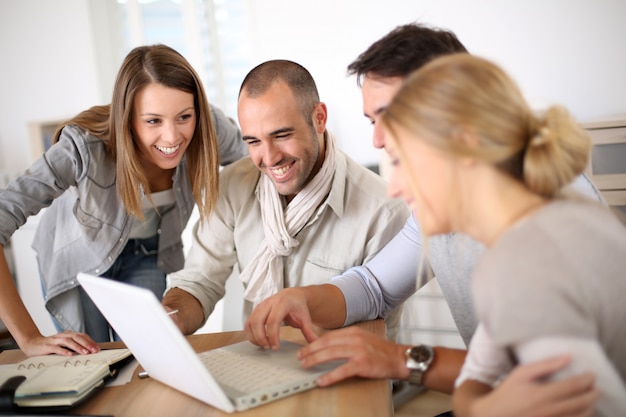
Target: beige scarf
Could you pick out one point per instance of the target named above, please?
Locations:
(264, 275)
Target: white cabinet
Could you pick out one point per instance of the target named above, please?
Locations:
(607, 162)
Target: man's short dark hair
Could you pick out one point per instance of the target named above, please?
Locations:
(298, 78)
(403, 50)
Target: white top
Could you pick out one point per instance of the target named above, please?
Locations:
(149, 227)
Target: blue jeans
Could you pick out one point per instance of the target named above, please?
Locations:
(136, 265)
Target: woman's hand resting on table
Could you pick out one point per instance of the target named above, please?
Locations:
(67, 343)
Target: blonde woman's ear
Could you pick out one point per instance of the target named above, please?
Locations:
(468, 138)
(469, 143)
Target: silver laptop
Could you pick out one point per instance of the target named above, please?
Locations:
(224, 377)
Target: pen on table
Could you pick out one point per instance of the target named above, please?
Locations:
(169, 313)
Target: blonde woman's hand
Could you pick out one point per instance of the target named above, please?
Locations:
(524, 393)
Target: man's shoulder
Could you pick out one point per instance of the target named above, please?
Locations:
(242, 171)
(585, 186)
(364, 179)
(238, 181)
(363, 191)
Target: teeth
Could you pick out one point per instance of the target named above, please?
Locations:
(280, 171)
(167, 150)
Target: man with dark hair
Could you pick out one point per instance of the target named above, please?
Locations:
(281, 210)
(413, 46)
(376, 288)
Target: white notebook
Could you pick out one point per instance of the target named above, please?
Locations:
(62, 381)
(223, 378)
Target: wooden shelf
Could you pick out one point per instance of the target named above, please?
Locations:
(607, 164)
(40, 134)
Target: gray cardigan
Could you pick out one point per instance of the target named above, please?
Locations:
(86, 226)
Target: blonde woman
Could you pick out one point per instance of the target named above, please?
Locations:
(120, 181)
(471, 157)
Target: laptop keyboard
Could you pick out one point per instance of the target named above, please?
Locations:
(244, 373)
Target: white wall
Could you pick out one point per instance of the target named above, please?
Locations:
(48, 70)
(565, 51)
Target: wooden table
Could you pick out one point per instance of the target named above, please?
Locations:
(149, 398)
(427, 404)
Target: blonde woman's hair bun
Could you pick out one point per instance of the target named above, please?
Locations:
(556, 153)
(544, 133)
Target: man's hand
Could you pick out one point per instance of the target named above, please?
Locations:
(366, 355)
(189, 315)
(288, 306)
(67, 344)
(523, 393)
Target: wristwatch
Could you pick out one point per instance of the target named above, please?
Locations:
(418, 359)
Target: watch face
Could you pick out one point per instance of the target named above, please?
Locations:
(418, 359)
(421, 353)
